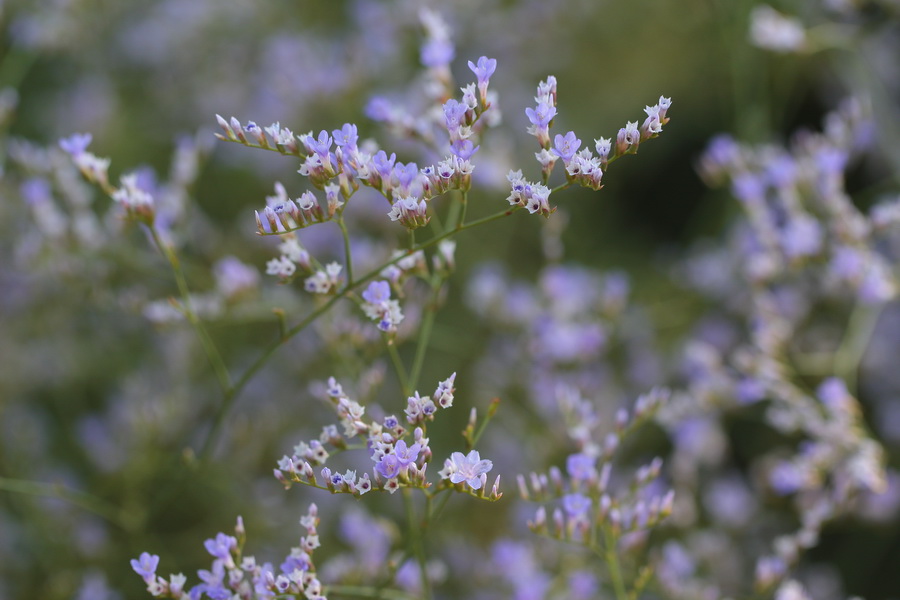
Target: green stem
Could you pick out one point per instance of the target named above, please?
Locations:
(434, 513)
(611, 556)
(57, 490)
(425, 331)
(453, 216)
(464, 200)
(415, 532)
(358, 591)
(859, 331)
(492, 410)
(402, 377)
(209, 346)
(235, 390)
(232, 394)
(348, 259)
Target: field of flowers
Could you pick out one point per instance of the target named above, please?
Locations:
(537, 299)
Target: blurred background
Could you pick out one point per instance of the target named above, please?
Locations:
(106, 400)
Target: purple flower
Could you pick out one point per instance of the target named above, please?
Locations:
(346, 136)
(464, 149)
(321, 146)
(406, 174)
(454, 113)
(566, 146)
(295, 562)
(581, 466)
(484, 69)
(221, 546)
(389, 466)
(76, 143)
(747, 187)
(468, 468)
(437, 53)
(541, 115)
(831, 161)
(379, 109)
(406, 455)
(384, 165)
(377, 292)
(802, 237)
(145, 566)
(576, 505)
(786, 478)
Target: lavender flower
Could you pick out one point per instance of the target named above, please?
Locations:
(145, 566)
(483, 71)
(469, 468)
(566, 146)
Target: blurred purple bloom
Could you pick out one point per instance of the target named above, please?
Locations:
(406, 174)
(464, 149)
(379, 109)
(437, 53)
(747, 187)
(377, 292)
(454, 112)
(76, 143)
(221, 546)
(576, 505)
(145, 566)
(581, 467)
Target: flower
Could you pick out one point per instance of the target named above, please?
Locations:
(145, 566)
(566, 146)
(378, 306)
(468, 468)
(406, 455)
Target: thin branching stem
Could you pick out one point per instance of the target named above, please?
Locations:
(399, 369)
(611, 556)
(849, 354)
(80, 499)
(235, 390)
(415, 534)
(425, 329)
(358, 591)
(464, 200)
(348, 258)
(212, 352)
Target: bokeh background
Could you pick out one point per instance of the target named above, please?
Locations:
(104, 404)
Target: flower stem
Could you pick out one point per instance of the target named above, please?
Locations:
(358, 591)
(212, 352)
(611, 556)
(849, 354)
(425, 330)
(415, 532)
(464, 200)
(234, 391)
(402, 377)
(57, 490)
(348, 259)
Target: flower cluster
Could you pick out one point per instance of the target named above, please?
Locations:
(398, 462)
(233, 574)
(587, 501)
(379, 306)
(582, 167)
